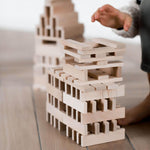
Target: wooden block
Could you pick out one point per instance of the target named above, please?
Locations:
(103, 62)
(119, 53)
(102, 138)
(61, 126)
(73, 31)
(73, 124)
(98, 74)
(54, 125)
(111, 86)
(101, 94)
(51, 119)
(78, 141)
(61, 8)
(80, 74)
(74, 135)
(68, 131)
(76, 45)
(47, 117)
(86, 58)
(55, 92)
(74, 103)
(104, 105)
(66, 20)
(93, 106)
(112, 103)
(113, 125)
(102, 116)
(47, 15)
(104, 127)
(99, 49)
(109, 43)
(92, 66)
(97, 128)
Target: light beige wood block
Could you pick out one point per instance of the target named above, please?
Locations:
(102, 116)
(104, 127)
(55, 92)
(80, 74)
(76, 45)
(75, 103)
(112, 104)
(101, 94)
(109, 43)
(102, 138)
(81, 128)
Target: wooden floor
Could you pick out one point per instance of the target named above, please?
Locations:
(22, 110)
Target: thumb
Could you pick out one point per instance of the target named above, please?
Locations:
(127, 23)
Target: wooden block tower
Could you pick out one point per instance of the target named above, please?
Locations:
(59, 21)
(81, 95)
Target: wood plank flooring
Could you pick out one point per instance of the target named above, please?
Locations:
(22, 115)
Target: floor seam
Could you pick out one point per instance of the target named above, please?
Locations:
(129, 141)
(36, 119)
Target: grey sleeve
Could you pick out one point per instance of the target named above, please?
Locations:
(134, 12)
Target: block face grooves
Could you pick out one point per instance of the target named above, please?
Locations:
(81, 84)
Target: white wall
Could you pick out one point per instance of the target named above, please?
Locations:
(24, 15)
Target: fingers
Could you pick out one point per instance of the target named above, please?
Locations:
(97, 15)
(127, 23)
(107, 8)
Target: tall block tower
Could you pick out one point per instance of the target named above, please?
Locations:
(81, 95)
(59, 21)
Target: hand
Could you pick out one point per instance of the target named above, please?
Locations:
(112, 17)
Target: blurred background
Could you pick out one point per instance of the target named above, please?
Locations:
(18, 19)
(24, 15)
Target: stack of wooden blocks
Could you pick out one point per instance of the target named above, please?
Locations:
(59, 21)
(81, 95)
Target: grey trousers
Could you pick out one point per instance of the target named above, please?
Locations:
(145, 34)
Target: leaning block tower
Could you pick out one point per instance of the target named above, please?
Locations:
(81, 95)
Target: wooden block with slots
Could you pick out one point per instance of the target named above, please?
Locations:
(81, 95)
(59, 21)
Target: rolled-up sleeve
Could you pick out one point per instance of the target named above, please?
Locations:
(134, 11)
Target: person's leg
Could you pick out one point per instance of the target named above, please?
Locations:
(137, 113)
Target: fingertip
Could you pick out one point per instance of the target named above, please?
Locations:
(101, 9)
(92, 20)
(126, 28)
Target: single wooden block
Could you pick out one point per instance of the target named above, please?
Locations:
(104, 127)
(103, 62)
(78, 141)
(113, 125)
(102, 116)
(101, 94)
(102, 138)
(104, 105)
(98, 74)
(72, 32)
(97, 128)
(72, 123)
(109, 43)
(62, 7)
(80, 74)
(55, 92)
(112, 103)
(75, 103)
(68, 131)
(75, 45)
